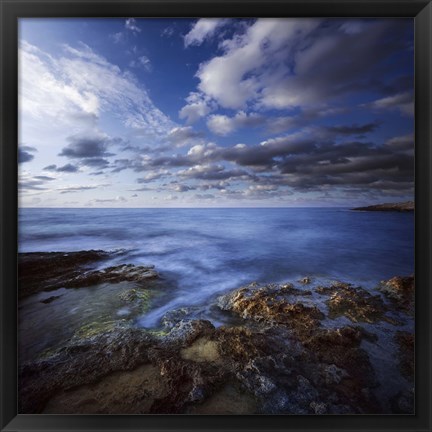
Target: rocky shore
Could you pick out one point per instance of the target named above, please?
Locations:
(407, 206)
(293, 348)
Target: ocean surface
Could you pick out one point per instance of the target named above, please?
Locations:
(203, 252)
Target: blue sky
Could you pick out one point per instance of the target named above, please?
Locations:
(135, 112)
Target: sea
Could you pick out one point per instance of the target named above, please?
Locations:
(205, 251)
(202, 253)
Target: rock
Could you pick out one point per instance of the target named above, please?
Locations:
(306, 280)
(264, 305)
(173, 317)
(202, 350)
(356, 304)
(403, 402)
(50, 299)
(341, 348)
(86, 359)
(319, 408)
(400, 290)
(406, 342)
(230, 399)
(187, 331)
(52, 270)
(38, 271)
(116, 274)
(407, 206)
(278, 358)
(333, 374)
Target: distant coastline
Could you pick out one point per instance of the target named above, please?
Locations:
(407, 206)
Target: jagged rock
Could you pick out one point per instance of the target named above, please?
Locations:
(400, 290)
(263, 305)
(39, 271)
(84, 360)
(281, 359)
(52, 270)
(355, 303)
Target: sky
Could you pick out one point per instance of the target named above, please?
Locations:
(280, 112)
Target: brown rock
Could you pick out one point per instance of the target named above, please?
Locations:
(400, 290)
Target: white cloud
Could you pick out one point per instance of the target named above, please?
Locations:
(81, 83)
(117, 37)
(142, 61)
(203, 29)
(181, 136)
(198, 105)
(402, 102)
(168, 32)
(352, 27)
(239, 75)
(131, 25)
(401, 143)
(284, 63)
(43, 94)
(224, 125)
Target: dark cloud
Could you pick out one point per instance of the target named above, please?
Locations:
(25, 185)
(68, 168)
(354, 129)
(183, 188)
(302, 162)
(402, 102)
(151, 176)
(73, 189)
(95, 162)
(81, 148)
(180, 136)
(36, 183)
(25, 153)
(91, 151)
(65, 168)
(212, 172)
(44, 178)
(24, 156)
(110, 200)
(401, 143)
(204, 196)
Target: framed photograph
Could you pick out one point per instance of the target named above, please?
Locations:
(216, 215)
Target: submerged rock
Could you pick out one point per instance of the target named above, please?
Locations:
(120, 273)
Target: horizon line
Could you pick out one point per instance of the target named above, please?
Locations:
(180, 208)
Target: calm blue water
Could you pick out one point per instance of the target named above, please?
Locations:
(206, 251)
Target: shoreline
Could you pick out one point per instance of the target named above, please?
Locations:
(278, 353)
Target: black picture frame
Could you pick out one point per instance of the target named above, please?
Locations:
(11, 10)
